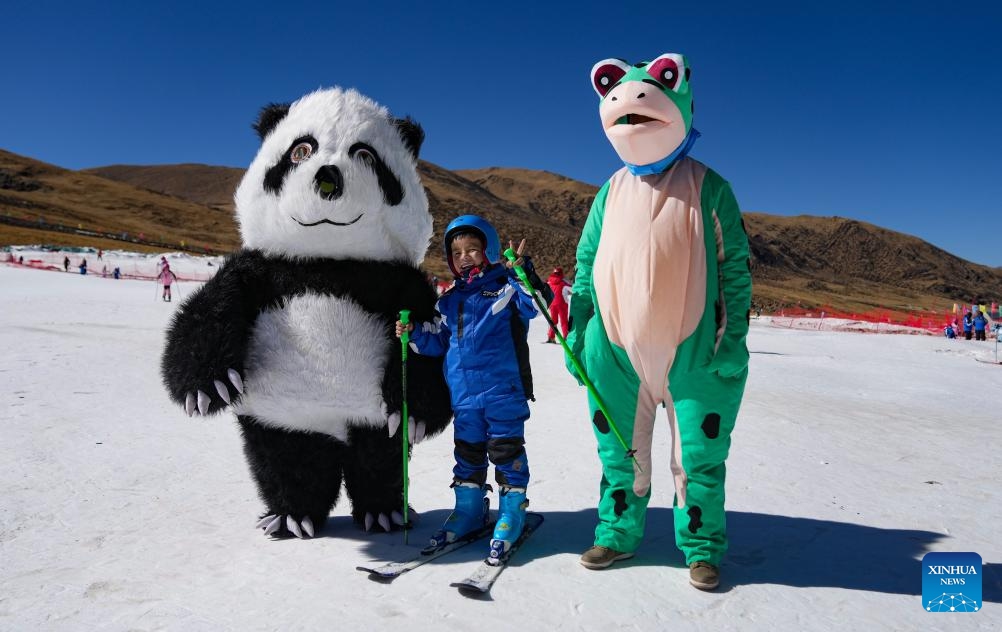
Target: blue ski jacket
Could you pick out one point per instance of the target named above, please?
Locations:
(481, 330)
(980, 322)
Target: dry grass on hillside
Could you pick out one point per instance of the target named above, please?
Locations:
(811, 261)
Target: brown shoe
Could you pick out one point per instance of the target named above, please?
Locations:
(704, 576)
(602, 557)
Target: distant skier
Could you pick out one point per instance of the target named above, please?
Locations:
(949, 331)
(968, 326)
(83, 266)
(980, 326)
(558, 307)
(166, 277)
(66, 264)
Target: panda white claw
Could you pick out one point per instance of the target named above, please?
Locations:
(398, 518)
(203, 403)
(392, 423)
(384, 522)
(308, 526)
(236, 381)
(273, 526)
(369, 519)
(189, 404)
(264, 522)
(223, 391)
(419, 433)
(293, 526)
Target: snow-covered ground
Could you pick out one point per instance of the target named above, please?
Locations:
(853, 456)
(102, 263)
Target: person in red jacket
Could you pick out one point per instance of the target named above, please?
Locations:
(558, 306)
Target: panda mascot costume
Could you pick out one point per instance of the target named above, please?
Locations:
(295, 332)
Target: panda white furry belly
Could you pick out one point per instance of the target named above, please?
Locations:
(316, 365)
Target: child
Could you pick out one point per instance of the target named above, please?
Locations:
(482, 333)
(166, 277)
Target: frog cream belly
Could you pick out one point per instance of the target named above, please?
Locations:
(650, 268)
(330, 381)
(659, 313)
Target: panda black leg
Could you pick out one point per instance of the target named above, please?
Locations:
(298, 476)
(373, 476)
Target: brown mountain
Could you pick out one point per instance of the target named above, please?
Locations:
(807, 260)
(41, 203)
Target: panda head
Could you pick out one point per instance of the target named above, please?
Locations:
(336, 177)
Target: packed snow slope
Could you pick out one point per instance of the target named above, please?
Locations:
(854, 455)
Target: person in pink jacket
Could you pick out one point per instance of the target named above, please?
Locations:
(558, 306)
(166, 277)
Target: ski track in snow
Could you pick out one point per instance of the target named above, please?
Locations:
(853, 456)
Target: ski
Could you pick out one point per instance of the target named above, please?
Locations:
(481, 579)
(391, 570)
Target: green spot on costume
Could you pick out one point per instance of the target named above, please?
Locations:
(659, 315)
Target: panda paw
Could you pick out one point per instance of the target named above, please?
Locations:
(388, 522)
(415, 430)
(204, 403)
(272, 525)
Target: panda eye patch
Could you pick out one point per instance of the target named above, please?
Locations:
(393, 192)
(300, 152)
(365, 155)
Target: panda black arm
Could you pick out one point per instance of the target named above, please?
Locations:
(427, 392)
(209, 334)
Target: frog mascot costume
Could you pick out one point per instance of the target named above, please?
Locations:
(659, 315)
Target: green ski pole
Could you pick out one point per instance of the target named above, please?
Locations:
(630, 452)
(405, 315)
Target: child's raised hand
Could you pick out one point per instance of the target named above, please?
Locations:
(401, 326)
(518, 254)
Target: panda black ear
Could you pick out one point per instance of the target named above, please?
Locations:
(269, 117)
(411, 133)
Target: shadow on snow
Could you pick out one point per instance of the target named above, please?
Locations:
(764, 549)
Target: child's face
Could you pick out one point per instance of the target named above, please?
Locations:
(467, 253)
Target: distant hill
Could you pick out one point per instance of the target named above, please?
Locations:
(51, 198)
(803, 260)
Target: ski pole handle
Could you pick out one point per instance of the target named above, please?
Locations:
(630, 452)
(510, 254)
(405, 337)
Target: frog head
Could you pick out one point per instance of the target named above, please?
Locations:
(646, 110)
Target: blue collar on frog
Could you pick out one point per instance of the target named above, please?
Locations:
(663, 164)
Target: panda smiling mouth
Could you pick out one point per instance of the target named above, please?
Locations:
(327, 221)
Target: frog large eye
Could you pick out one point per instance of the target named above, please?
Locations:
(668, 70)
(606, 73)
(300, 152)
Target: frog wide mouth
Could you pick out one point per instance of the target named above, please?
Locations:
(636, 119)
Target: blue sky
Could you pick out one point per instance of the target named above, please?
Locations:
(862, 110)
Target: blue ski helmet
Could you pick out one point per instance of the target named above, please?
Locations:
(464, 223)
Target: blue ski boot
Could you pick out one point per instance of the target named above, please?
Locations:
(511, 520)
(471, 514)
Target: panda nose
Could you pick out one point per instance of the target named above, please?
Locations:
(329, 183)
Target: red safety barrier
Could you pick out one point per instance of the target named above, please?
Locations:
(874, 321)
